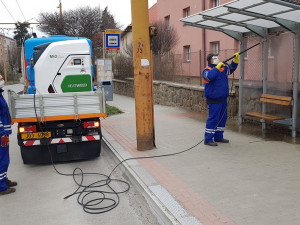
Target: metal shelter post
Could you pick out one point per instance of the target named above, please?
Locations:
(295, 84)
(265, 77)
(241, 81)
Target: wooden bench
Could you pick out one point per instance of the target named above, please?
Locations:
(273, 99)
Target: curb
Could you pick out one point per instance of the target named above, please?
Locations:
(160, 211)
(164, 206)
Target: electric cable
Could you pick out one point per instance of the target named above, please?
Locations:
(92, 204)
(89, 204)
(192, 147)
(180, 152)
(8, 11)
(21, 10)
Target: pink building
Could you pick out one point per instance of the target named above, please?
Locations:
(193, 39)
(153, 14)
(194, 43)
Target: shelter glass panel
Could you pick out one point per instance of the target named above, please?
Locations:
(236, 17)
(236, 28)
(279, 77)
(212, 23)
(244, 3)
(292, 16)
(194, 18)
(215, 11)
(268, 9)
(262, 23)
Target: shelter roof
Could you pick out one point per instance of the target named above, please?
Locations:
(241, 18)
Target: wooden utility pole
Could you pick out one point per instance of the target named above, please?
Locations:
(143, 80)
(60, 10)
(3, 57)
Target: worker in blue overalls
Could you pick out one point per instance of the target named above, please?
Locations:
(6, 186)
(215, 77)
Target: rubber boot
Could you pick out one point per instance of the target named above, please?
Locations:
(7, 191)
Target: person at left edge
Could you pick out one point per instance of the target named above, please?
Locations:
(6, 186)
(216, 91)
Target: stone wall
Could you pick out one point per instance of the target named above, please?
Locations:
(179, 95)
(192, 97)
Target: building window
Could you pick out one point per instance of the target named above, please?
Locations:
(187, 53)
(216, 3)
(216, 47)
(245, 47)
(270, 50)
(167, 22)
(186, 12)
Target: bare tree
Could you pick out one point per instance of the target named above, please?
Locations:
(107, 20)
(80, 22)
(165, 40)
(21, 33)
(123, 63)
(165, 64)
(51, 23)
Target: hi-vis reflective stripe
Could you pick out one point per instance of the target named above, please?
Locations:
(209, 68)
(61, 140)
(206, 81)
(90, 138)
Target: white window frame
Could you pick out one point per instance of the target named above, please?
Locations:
(270, 50)
(187, 52)
(186, 12)
(216, 47)
(216, 3)
(245, 47)
(167, 21)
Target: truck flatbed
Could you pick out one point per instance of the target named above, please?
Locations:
(55, 107)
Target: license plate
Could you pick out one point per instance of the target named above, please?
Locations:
(36, 135)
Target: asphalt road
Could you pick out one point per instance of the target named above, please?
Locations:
(39, 198)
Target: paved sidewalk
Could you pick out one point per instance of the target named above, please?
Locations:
(251, 180)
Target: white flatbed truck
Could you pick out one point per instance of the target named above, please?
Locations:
(59, 116)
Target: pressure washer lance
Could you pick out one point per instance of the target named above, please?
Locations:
(242, 52)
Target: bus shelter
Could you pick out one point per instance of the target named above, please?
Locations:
(273, 23)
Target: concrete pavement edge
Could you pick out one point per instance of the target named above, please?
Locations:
(164, 213)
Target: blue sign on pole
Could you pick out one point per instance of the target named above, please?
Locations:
(112, 40)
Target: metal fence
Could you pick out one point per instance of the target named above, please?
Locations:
(171, 67)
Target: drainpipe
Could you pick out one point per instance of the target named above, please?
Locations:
(203, 44)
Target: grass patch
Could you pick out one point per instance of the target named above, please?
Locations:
(12, 82)
(111, 110)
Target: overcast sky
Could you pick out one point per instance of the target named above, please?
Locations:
(28, 10)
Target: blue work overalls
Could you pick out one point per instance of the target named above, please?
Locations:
(216, 92)
(5, 129)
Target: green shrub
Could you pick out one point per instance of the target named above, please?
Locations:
(111, 110)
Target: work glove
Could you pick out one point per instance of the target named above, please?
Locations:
(4, 141)
(236, 58)
(220, 65)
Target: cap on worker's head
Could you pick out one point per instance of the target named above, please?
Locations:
(209, 57)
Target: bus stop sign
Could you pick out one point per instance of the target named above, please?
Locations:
(112, 40)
